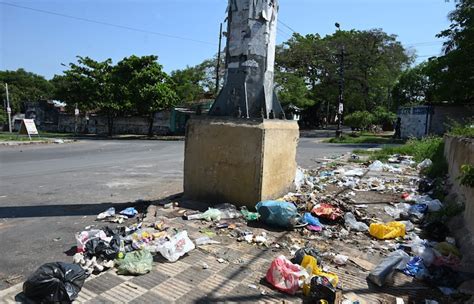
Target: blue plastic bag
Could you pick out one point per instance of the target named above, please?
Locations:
(311, 220)
(130, 212)
(418, 208)
(414, 266)
(278, 213)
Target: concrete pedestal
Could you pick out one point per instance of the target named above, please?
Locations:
(239, 161)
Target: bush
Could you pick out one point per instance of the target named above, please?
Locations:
(359, 120)
(464, 130)
(383, 117)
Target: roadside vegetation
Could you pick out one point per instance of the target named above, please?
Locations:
(7, 136)
(365, 138)
(463, 130)
(426, 148)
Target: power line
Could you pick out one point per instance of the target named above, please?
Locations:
(107, 23)
(287, 26)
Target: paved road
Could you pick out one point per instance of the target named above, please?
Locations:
(49, 192)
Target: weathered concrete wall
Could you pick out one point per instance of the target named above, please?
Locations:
(239, 161)
(415, 121)
(444, 115)
(460, 151)
(98, 124)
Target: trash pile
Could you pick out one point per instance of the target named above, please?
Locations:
(421, 246)
(324, 210)
(129, 248)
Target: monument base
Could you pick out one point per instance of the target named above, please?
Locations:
(239, 161)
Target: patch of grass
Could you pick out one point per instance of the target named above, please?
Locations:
(430, 147)
(365, 138)
(6, 136)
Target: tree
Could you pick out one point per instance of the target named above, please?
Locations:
(413, 87)
(197, 82)
(88, 84)
(453, 73)
(188, 83)
(142, 82)
(24, 86)
(373, 60)
(292, 90)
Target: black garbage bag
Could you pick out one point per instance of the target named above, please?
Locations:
(300, 253)
(55, 283)
(102, 249)
(322, 291)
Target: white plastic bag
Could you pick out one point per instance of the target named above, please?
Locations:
(353, 224)
(176, 247)
(425, 164)
(376, 166)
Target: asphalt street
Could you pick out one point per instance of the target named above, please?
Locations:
(50, 192)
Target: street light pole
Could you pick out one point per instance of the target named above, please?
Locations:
(218, 60)
(9, 110)
(340, 108)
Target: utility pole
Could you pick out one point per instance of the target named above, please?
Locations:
(9, 110)
(218, 67)
(340, 108)
(76, 115)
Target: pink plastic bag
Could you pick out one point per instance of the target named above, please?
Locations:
(285, 275)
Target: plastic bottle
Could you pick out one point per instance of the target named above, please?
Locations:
(121, 253)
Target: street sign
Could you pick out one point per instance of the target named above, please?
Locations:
(76, 112)
(28, 127)
(9, 110)
(341, 108)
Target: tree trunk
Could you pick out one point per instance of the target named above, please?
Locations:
(110, 124)
(151, 121)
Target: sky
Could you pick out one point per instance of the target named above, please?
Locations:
(39, 37)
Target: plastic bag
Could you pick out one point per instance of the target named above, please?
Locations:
(425, 164)
(249, 216)
(414, 266)
(319, 290)
(327, 211)
(396, 260)
(135, 263)
(299, 178)
(176, 247)
(130, 212)
(387, 231)
(107, 213)
(55, 282)
(353, 224)
(311, 265)
(105, 250)
(211, 214)
(228, 211)
(83, 237)
(286, 276)
(376, 166)
(311, 220)
(434, 205)
(397, 210)
(278, 213)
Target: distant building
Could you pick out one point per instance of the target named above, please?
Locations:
(420, 121)
(181, 115)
